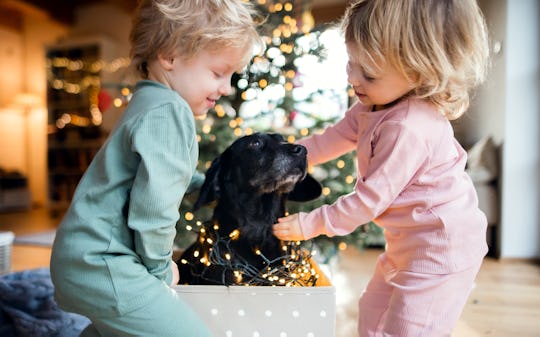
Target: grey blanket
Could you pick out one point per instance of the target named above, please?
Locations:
(27, 307)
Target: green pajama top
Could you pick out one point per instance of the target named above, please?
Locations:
(113, 249)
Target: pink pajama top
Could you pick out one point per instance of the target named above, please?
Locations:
(411, 182)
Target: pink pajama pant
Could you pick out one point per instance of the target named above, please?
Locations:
(412, 304)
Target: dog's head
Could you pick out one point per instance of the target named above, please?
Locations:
(257, 165)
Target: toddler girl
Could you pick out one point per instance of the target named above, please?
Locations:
(411, 65)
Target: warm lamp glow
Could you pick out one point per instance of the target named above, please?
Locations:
(26, 100)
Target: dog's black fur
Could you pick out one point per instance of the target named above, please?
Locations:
(251, 182)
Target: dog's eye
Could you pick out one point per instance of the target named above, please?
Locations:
(255, 144)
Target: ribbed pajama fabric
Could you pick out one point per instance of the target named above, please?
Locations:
(166, 316)
(111, 258)
(412, 304)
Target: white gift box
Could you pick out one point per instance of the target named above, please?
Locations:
(260, 311)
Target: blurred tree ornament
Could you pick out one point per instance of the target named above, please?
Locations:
(104, 100)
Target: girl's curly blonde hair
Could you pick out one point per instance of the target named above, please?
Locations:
(441, 46)
(185, 27)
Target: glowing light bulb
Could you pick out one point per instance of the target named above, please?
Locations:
(234, 234)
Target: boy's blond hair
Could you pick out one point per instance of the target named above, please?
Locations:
(441, 46)
(185, 27)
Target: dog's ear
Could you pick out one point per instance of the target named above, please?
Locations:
(210, 188)
(306, 190)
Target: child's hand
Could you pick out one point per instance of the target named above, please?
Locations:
(288, 229)
(175, 273)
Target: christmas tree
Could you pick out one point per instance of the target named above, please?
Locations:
(271, 96)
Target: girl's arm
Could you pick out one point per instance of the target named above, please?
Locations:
(335, 140)
(399, 155)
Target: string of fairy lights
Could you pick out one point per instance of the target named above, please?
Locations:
(292, 269)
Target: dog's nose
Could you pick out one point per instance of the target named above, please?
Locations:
(298, 150)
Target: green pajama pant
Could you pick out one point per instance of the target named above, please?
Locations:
(167, 316)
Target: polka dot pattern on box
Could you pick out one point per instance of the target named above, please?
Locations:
(240, 311)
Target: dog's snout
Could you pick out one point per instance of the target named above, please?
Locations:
(298, 150)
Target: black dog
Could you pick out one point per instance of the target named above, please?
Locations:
(251, 182)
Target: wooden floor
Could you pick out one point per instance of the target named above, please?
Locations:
(504, 303)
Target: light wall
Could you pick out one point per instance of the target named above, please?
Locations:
(11, 117)
(521, 155)
(23, 129)
(23, 126)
